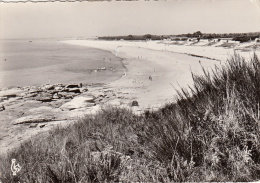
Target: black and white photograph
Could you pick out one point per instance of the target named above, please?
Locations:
(129, 91)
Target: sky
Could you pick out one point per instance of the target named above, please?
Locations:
(163, 17)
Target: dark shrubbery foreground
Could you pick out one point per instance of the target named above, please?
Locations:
(210, 134)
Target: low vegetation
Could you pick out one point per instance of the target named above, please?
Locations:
(241, 37)
(134, 37)
(211, 133)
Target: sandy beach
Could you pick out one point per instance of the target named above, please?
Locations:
(169, 66)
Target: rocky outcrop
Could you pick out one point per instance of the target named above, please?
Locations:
(72, 86)
(79, 102)
(44, 97)
(12, 93)
(74, 90)
(32, 119)
(28, 110)
(34, 107)
(48, 93)
(48, 104)
(48, 87)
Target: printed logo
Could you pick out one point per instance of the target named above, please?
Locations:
(15, 167)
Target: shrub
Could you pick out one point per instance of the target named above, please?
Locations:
(242, 39)
(214, 126)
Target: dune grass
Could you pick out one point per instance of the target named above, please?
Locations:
(211, 133)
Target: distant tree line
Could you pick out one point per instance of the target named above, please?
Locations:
(242, 37)
(134, 37)
(224, 35)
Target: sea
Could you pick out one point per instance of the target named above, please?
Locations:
(50, 61)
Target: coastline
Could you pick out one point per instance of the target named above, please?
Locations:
(169, 71)
(151, 78)
(169, 66)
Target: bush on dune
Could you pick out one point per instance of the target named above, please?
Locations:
(216, 125)
(210, 134)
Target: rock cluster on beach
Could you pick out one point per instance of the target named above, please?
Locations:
(26, 111)
(46, 103)
(36, 103)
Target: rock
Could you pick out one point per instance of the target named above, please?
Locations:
(11, 93)
(31, 95)
(56, 96)
(135, 103)
(59, 102)
(97, 100)
(2, 108)
(67, 95)
(43, 110)
(41, 126)
(83, 89)
(3, 98)
(89, 99)
(81, 112)
(59, 88)
(48, 87)
(44, 97)
(32, 119)
(75, 90)
(10, 96)
(35, 91)
(72, 86)
(78, 102)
